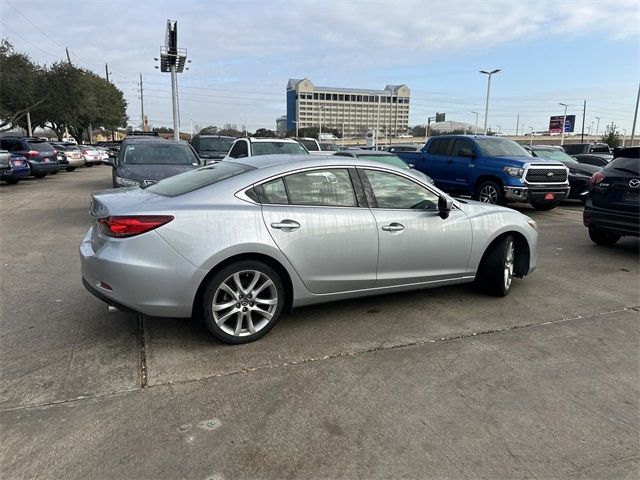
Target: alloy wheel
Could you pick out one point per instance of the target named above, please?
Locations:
(508, 265)
(488, 194)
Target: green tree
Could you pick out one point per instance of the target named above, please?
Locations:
(611, 136)
(210, 130)
(265, 133)
(230, 129)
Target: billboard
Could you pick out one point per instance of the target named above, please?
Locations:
(555, 124)
(440, 117)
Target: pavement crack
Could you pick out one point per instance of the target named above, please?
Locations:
(142, 342)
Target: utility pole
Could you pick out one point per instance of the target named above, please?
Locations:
(475, 129)
(90, 135)
(597, 127)
(584, 114)
(635, 117)
(564, 121)
(106, 71)
(144, 126)
(517, 123)
(531, 137)
(66, 49)
(29, 132)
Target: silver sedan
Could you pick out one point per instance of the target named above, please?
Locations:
(240, 242)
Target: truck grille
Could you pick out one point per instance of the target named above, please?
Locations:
(546, 175)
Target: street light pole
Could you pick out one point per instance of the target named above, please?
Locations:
(174, 98)
(597, 127)
(530, 136)
(624, 134)
(378, 122)
(564, 121)
(296, 127)
(486, 108)
(475, 129)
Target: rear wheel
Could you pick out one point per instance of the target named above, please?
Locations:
(88, 164)
(495, 274)
(490, 192)
(39, 175)
(70, 169)
(243, 301)
(53, 173)
(12, 181)
(605, 239)
(542, 205)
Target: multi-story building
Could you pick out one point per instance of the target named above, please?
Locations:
(281, 126)
(348, 110)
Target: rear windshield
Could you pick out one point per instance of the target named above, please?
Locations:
(274, 148)
(624, 164)
(500, 147)
(40, 146)
(309, 145)
(196, 179)
(329, 147)
(159, 153)
(554, 155)
(388, 159)
(215, 144)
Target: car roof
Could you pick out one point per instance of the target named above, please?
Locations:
(151, 140)
(364, 151)
(264, 161)
(212, 135)
(271, 139)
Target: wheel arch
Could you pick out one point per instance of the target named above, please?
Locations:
(486, 178)
(523, 252)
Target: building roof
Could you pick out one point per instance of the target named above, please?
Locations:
(388, 90)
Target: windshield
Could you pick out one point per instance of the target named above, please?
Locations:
(273, 148)
(159, 153)
(500, 147)
(555, 155)
(388, 159)
(196, 179)
(215, 144)
(310, 145)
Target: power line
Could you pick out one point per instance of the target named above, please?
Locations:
(29, 42)
(34, 25)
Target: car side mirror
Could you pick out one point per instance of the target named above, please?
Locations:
(411, 165)
(210, 161)
(444, 207)
(466, 152)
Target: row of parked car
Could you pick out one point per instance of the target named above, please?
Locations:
(37, 157)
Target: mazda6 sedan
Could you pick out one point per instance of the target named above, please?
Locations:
(239, 242)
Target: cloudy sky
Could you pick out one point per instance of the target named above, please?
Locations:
(243, 53)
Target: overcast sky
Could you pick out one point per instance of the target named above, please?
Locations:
(243, 53)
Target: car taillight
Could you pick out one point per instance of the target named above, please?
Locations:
(122, 227)
(32, 153)
(597, 178)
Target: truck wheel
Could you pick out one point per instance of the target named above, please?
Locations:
(605, 239)
(495, 273)
(490, 192)
(538, 205)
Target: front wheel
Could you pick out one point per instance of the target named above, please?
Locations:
(88, 164)
(243, 301)
(39, 175)
(541, 205)
(70, 169)
(490, 192)
(495, 273)
(605, 239)
(12, 181)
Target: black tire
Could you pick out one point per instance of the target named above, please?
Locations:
(544, 206)
(244, 302)
(70, 169)
(490, 192)
(53, 173)
(492, 273)
(88, 164)
(39, 175)
(602, 238)
(12, 181)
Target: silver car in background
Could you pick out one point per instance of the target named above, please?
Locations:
(241, 241)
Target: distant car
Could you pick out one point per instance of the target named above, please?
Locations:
(72, 154)
(143, 161)
(91, 155)
(613, 206)
(595, 159)
(19, 169)
(386, 158)
(579, 173)
(253, 147)
(241, 242)
(41, 156)
(577, 148)
(405, 135)
(212, 147)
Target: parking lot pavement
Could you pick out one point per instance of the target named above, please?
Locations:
(442, 382)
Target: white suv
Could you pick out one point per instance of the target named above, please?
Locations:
(251, 147)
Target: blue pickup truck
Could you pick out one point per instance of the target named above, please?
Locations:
(490, 169)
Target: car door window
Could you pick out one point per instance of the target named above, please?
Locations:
(439, 147)
(329, 188)
(460, 145)
(239, 149)
(273, 192)
(394, 191)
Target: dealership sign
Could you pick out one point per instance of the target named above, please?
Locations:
(555, 124)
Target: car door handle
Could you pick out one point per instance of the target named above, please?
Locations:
(286, 225)
(393, 227)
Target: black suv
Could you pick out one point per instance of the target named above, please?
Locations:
(613, 205)
(212, 147)
(143, 161)
(42, 157)
(578, 148)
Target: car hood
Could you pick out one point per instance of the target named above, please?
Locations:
(152, 172)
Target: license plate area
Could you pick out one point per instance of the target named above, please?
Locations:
(549, 196)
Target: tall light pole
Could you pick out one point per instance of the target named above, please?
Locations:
(321, 118)
(635, 117)
(296, 127)
(530, 136)
(564, 121)
(486, 108)
(173, 59)
(475, 129)
(597, 127)
(624, 134)
(378, 122)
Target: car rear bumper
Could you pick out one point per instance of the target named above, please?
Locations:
(143, 274)
(43, 167)
(93, 160)
(622, 223)
(75, 162)
(23, 172)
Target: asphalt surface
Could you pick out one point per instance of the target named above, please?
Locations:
(443, 383)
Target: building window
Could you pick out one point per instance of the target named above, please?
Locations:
(315, 96)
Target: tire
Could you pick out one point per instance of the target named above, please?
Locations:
(53, 173)
(39, 175)
(238, 312)
(544, 206)
(70, 169)
(495, 275)
(12, 181)
(604, 239)
(490, 192)
(88, 164)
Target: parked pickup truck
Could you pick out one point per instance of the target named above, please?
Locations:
(491, 170)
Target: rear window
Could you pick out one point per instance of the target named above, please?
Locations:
(40, 146)
(624, 164)
(159, 153)
(208, 144)
(196, 179)
(329, 147)
(274, 148)
(309, 145)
